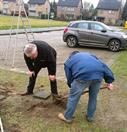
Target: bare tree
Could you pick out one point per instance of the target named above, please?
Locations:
(88, 10)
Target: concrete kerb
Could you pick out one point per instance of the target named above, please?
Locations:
(34, 30)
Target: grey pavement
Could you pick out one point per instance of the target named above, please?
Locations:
(40, 30)
(34, 30)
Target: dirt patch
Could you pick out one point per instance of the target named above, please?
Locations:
(14, 128)
(6, 88)
(59, 103)
(39, 105)
(34, 109)
(111, 109)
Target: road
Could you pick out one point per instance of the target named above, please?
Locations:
(55, 40)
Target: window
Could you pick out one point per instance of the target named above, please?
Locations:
(5, 4)
(63, 8)
(82, 25)
(73, 25)
(32, 11)
(110, 11)
(32, 6)
(97, 27)
(70, 9)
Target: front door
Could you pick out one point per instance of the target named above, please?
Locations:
(98, 37)
(83, 32)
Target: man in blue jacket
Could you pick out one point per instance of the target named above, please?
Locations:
(84, 70)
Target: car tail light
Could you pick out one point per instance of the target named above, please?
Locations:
(65, 30)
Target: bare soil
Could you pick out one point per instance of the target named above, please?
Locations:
(111, 109)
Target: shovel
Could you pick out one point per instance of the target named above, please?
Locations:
(85, 92)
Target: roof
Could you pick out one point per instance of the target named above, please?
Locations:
(10, 0)
(109, 4)
(37, 2)
(89, 21)
(68, 3)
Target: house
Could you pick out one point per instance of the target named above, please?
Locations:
(1, 6)
(38, 7)
(69, 9)
(109, 11)
(9, 6)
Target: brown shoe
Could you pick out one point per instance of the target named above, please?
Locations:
(26, 94)
(61, 117)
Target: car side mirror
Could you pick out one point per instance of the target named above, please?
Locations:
(104, 30)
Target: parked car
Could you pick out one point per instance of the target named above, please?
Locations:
(95, 34)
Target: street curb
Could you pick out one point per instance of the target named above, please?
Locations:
(21, 31)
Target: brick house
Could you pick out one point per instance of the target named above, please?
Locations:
(1, 6)
(109, 11)
(38, 7)
(9, 6)
(69, 9)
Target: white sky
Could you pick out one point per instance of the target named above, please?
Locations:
(94, 2)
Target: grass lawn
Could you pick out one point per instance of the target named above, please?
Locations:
(27, 114)
(120, 67)
(5, 23)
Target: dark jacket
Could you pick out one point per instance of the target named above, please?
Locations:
(46, 58)
(85, 66)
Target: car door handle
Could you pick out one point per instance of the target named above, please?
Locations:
(77, 30)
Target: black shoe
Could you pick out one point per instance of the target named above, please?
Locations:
(56, 98)
(89, 119)
(25, 94)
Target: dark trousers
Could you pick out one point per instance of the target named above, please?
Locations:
(32, 81)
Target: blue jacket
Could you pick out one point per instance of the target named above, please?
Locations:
(85, 66)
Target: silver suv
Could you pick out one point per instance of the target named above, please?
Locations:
(95, 34)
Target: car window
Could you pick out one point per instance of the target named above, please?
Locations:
(73, 25)
(82, 25)
(97, 27)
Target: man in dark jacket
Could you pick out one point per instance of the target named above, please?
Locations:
(84, 70)
(37, 55)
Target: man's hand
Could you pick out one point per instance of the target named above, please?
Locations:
(31, 73)
(110, 86)
(52, 77)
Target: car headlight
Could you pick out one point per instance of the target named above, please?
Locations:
(124, 36)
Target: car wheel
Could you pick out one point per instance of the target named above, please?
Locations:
(72, 41)
(114, 45)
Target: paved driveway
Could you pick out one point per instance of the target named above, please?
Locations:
(55, 40)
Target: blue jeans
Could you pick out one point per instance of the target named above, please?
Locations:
(76, 90)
